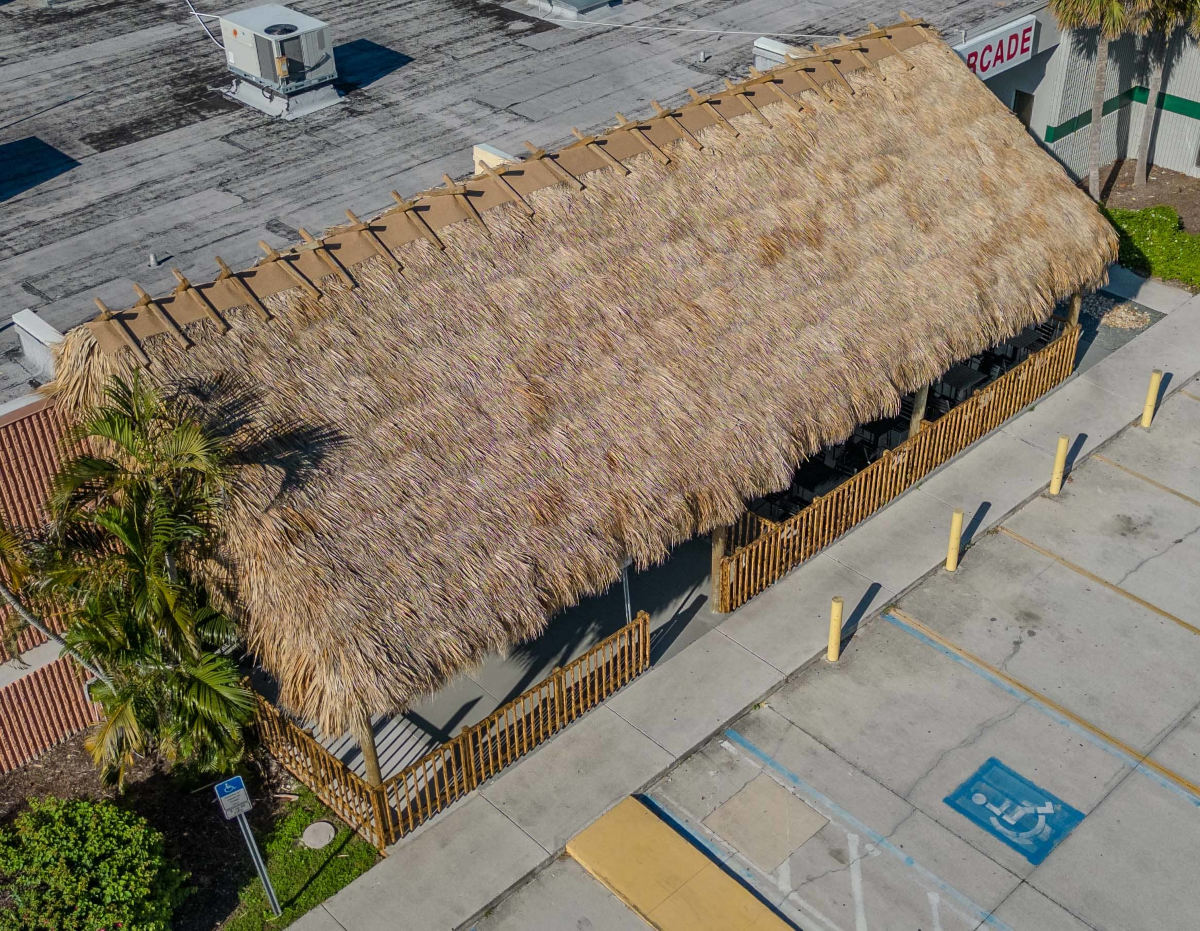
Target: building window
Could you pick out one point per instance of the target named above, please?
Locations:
(1022, 106)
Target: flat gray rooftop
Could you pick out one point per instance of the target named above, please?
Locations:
(114, 142)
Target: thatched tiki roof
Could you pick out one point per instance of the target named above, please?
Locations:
(616, 372)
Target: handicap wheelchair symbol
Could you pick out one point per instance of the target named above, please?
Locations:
(1011, 808)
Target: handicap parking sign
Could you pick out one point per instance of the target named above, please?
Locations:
(1011, 808)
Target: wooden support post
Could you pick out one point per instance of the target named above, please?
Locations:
(294, 273)
(542, 158)
(459, 193)
(834, 651)
(920, 403)
(364, 736)
(1073, 310)
(155, 309)
(639, 133)
(371, 238)
(706, 104)
(720, 543)
(322, 252)
(409, 209)
(792, 107)
(227, 274)
(197, 297)
(671, 117)
(589, 142)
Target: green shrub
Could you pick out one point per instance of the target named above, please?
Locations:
(1154, 243)
(79, 865)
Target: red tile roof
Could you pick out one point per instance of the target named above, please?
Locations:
(29, 457)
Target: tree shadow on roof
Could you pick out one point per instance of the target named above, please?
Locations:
(362, 62)
(26, 163)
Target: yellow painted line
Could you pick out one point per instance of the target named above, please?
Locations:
(662, 877)
(1147, 479)
(1143, 759)
(1025, 541)
(1194, 397)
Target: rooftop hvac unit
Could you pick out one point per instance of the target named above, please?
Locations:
(282, 60)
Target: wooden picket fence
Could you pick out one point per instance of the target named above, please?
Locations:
(41, 709)
(384, 815)
(763, 551)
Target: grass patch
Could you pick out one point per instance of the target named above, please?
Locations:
(302, 877)
(1153, 243)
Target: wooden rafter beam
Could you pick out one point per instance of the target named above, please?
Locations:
(156, 310)
(706, 104)
(408, 209)
(276, 258)
(672, 117)
(196, 296)
(322, 252)
(227, 274)
(592, 144)
(639, 133)
(372, 240)
(118, 324)
(540, 156)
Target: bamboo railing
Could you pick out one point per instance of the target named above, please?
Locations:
(384, 815)
(764, 551)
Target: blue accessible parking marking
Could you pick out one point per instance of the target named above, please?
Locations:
(1011, 808)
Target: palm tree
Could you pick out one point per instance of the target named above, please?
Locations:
(1113, 19)
(1163, 19)
(133, 515)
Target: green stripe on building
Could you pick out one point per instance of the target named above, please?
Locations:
(1137, 94)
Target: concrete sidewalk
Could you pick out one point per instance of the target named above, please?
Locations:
(455, 867)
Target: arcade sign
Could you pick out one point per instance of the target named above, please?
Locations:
(996, 51)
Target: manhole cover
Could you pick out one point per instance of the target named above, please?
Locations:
(318, 835)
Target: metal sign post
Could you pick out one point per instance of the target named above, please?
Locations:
(235, 802)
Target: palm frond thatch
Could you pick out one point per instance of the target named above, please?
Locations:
(519, 413)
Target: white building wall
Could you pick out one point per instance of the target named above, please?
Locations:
(1176, 141)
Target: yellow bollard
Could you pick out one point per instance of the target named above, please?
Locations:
(1060, 465)
(1151, 398)
(955, 541)
(835, 630)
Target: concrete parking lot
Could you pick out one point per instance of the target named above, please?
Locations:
(1012, 745)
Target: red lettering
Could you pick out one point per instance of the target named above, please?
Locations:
(1026, 39)
(985, 63)
(972, 57)
(1013, 41)
(999, 59)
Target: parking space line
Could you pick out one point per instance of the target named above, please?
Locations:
(1091, 576)
(1014, 686)
(815, 797)
(1147, 479)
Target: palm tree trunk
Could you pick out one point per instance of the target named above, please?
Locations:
(1150, 114)
(1097, 115)
(364, 735)
(23, 613)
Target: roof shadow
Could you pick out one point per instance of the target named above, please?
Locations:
(26, 163)
(362, 62)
